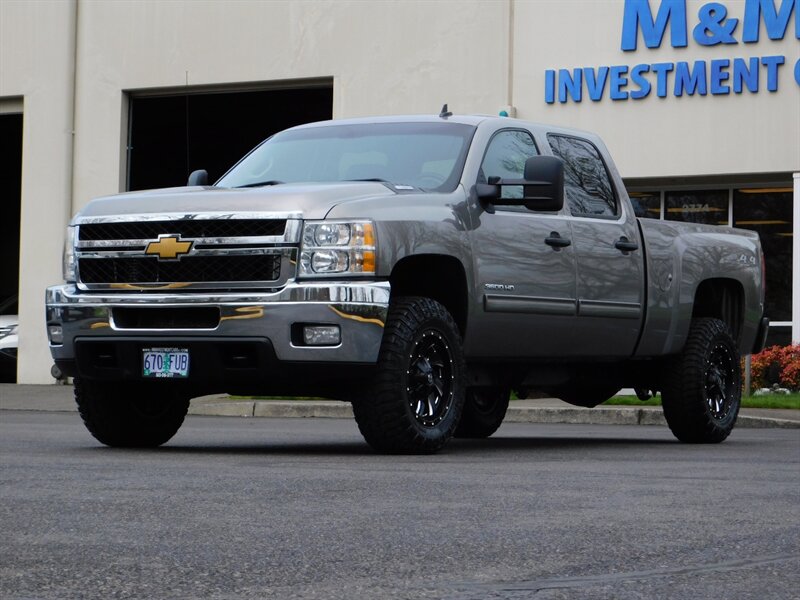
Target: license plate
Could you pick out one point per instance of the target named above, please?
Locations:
(165, 362)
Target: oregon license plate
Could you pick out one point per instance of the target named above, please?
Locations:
(165, 362)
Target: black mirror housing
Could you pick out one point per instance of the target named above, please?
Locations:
(199, 177)
(544, 183)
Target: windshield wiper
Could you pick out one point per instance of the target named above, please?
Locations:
(261, 183)
(378, 179)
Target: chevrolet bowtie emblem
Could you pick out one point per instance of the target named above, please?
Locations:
(168, 247)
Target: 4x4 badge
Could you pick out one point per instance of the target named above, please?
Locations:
(169, 247)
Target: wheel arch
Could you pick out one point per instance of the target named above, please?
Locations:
(723, 299)
(437, 276)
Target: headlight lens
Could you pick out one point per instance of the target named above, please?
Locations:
(336, 248)
(69, 270)
(332, 234)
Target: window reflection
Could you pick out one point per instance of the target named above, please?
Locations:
(707, 207)
(587, 186)
(646, 204)
(505, 158)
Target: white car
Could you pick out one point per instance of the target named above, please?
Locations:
(9, 341)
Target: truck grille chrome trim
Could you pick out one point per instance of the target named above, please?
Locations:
(230, 268)
(211, 228)
(217, 252)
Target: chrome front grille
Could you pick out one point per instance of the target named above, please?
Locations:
(230, 268)
(207, 228)
(187, 252)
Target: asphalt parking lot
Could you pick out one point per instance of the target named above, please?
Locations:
(301, 508)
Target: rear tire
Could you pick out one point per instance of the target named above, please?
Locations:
(484, 411)
(702, 390)
(416, 399)
(129, 416)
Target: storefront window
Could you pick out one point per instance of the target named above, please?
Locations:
(769, 212)
(708, 207)
(779, 336)
(646, 204)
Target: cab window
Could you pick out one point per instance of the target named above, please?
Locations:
(587, 185)
(505, 158)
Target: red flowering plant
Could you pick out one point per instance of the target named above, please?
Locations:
(776, 364)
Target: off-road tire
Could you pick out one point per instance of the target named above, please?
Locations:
(702, 388)
(484, 411)
(420, 338)
(129, 416)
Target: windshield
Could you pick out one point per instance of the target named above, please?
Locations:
(429, 156)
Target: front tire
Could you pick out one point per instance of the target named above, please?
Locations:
(702, 390)
(129, 416)
(484, 411)
(415, 402)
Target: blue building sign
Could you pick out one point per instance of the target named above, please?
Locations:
(712, 26)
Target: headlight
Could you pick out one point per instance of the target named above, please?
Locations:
(336, 248)
(68, 270)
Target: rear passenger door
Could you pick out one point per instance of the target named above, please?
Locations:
(610, 282)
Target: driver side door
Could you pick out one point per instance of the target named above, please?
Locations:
(524, 266)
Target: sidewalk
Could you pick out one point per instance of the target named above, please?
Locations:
(546, 410)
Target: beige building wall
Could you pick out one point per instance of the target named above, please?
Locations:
(657, 137)
(385, 57)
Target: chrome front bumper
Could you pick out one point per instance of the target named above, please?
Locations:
(359, 309)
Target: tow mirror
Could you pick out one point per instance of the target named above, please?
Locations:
(199, 177)
(542, 184)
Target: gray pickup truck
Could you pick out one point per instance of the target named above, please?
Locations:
(420, 267)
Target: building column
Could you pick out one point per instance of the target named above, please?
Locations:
(49, 28)
(796, 261)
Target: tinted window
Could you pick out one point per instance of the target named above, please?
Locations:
(587, 186)
(505, 158)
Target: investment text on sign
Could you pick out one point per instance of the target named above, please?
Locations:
(713, 26)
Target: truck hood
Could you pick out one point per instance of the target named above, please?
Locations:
(307, 200)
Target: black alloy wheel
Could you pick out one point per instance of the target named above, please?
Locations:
(430, 379)
(720, 386)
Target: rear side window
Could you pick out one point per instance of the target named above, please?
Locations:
(587, 185)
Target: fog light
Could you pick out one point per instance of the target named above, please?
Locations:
(322, 335)
(56, 334)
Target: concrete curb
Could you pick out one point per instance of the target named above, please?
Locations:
(59, 398)
(275, 409)
(286, 409)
